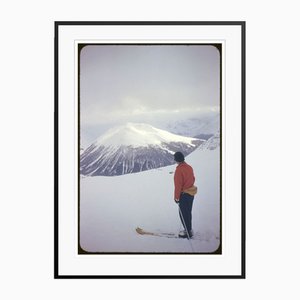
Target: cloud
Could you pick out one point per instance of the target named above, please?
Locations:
(135, 82)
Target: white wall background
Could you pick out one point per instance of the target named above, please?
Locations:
(26, 122)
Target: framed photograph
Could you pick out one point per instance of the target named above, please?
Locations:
(149, 150)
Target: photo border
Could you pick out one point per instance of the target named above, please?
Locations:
(56, 147)
(219, 46)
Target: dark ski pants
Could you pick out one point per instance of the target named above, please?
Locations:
(185, 212)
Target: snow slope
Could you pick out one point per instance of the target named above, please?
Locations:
(112, 207)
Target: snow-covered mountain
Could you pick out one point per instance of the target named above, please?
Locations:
(133, 148)
(203, 127)
(212, 143)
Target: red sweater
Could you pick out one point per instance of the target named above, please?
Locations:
(183, 178)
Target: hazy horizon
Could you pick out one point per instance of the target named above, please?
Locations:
(146, 84)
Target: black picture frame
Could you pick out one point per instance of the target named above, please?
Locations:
(57, 258)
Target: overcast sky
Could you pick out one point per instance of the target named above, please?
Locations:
(140, 83)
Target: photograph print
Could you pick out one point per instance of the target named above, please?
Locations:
(149, 148)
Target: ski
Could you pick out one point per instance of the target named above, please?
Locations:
(160, 234)
(172, 235)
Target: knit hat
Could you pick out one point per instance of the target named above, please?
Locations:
(179, 157)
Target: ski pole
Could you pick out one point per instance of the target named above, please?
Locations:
(188, 234)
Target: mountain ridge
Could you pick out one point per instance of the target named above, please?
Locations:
(132, 148)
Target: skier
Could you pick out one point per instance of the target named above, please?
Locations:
(184, 193)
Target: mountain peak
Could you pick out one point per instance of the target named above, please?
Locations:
(139, 135)
(132, 148)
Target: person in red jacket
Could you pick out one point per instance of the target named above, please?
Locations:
(184, 193)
